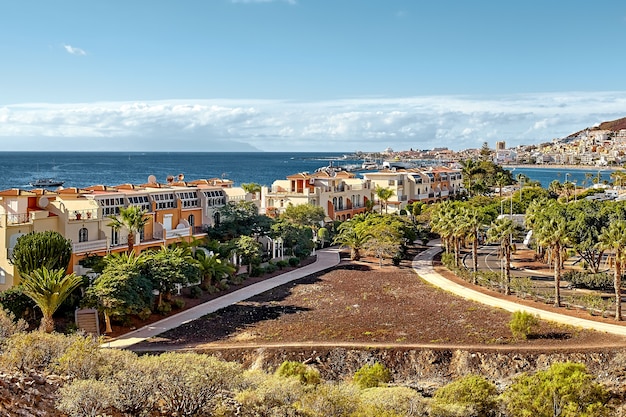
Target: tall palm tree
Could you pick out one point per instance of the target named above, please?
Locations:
(131, 218)
(473, 219)
(613, 238)
(503, 231)
(251, 188)
(383, 194)
(500, 180)
(551, 231)
(48, 289)
(470, 170)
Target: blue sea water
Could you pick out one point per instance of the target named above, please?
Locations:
(546, 175)
(82, 169)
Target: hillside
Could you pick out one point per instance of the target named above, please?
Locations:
(613, 125)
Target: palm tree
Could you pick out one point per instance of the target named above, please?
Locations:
(251, 188)
(502, 231)
(383, 194)
(471, 169)
(552, 232)
(131, 218)
(351, 236)
(614, 237)
(501, 180)
(474, 218)
(48, 289)
(212, 268)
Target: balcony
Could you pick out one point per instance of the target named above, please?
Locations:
(92, 246)
(17, 218)
(81, 215)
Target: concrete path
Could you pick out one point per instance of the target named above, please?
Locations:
(326, 258)
(423, 265)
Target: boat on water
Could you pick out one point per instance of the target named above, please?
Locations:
(47, 182)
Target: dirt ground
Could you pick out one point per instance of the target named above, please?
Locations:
(364, 304)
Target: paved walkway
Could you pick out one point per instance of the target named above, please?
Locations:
(423, 265)
(326, 258)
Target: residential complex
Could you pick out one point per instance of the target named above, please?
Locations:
(179, 210)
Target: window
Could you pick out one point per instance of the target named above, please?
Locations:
(215, 198)
(164, 201)
(83, 235)
(189, 199)
(115, 237)
(192, 220)
(141, 201)
(216, 219)
(392, 182)
(111, 206)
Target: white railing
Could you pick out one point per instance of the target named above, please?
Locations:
(93, 245)
(177, 233)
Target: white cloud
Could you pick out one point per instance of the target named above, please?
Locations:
(457, 122)
(74, 51)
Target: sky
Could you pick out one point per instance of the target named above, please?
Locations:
(305, 75)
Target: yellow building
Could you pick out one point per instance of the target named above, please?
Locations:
(175, 211)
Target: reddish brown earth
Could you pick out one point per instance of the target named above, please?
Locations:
(362, 304)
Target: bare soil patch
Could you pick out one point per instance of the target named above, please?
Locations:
(363, 304)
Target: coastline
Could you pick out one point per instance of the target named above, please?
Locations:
(555, 166)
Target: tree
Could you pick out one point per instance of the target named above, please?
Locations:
(551, 231)
(131, 218)
(212, 268)
(249, 250)
(298, 239)
(613, 238)
(469, 396)
(121, 289)
(353, 237)
(322, 236)
(48, 289)
(238, 219)
(304, 215)
(36, 250)
(474, 218)
(168, 267)
(383, 194)
(385, 241)
(470, 169)
(564, 390)
(502, 231)
(588, 221)
(251, 188)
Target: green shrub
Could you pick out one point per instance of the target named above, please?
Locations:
(305, 374)
(469, 396)
(582, 279)
(523, 323)
(18, 303)
(391, 402)
(370, 376)
(195, 292)
(282, 264)
(9, 326)
(178, 304)
(164, 308)
(294, 261)
(34, 350)
(85, 398)
(83, 358)
(269, 268)
(268, 395)
(330, 399)
(145, 313)
(256, 271)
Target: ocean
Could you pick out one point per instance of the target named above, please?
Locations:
(82, 169)
(577, 175)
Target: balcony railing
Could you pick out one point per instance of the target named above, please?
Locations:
(92, 246)
(17, 218)
(80, 215)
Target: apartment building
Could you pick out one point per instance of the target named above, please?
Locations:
(341, 194)
(176, 211)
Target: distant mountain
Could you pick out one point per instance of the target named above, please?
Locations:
(613, 125)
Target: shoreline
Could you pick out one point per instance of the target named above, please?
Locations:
(555, 166)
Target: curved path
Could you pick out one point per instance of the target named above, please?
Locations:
(423, 266)
(326, 258)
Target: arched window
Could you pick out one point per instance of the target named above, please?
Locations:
(83, 235)
(115, 237)
(192, 220)
(340, 203)
(335, 203)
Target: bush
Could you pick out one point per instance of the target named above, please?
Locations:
(370, 376)
(582, 279)
(330, 399)
(269, 268)
(282, 264)
(9, 326)
(178, 304)
(85, 398)
(391, 402)
(523, 323)
(164, 307)
(294, 261)
(35, 350)
(145, 313)
(470, 396)
(268, 395)
(18, 303)
(195, 292)
(83, 359)
(133, 387)
(256, 271)
(305, 374)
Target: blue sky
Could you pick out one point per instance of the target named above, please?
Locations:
(297, 75)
